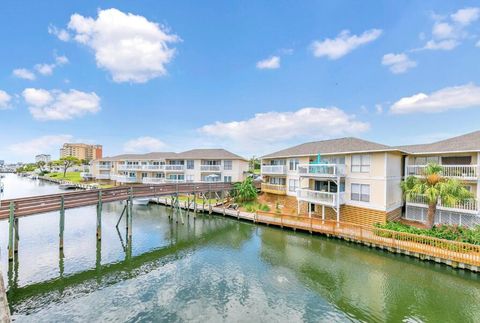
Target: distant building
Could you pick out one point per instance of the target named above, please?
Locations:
(2, 163)
(43, 157)
(81, 151)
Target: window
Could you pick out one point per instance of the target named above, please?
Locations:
(189, 178)
(360, 192)
(293, 185)
(293, 163)
(360, 163)
(190, 164)
(227, 179)
(227, 165)
(277, 180)
(457, 160)
(144, 175)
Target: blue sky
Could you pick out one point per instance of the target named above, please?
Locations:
(252, 77)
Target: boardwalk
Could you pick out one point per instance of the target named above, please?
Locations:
(56, 202)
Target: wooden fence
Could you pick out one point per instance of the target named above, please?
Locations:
(460, 252)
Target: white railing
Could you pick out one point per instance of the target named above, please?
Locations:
(325, 198)
(104, 166)
(153, 180)
(274, 169)
(210, 168)
(457, 171)
(321, 170)
(129, 167)
(469, 206)
(86, 175)
(102, 176)
(123, 179)
(274, 188)
(174, 167)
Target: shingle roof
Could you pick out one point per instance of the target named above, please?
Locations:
(189, 154)
(467, 142)
(208, 154)
(333, 146)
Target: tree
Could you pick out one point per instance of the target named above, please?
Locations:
(245, 191)
(253, 164)
(41, 164)
(434, 187)
(67, 162)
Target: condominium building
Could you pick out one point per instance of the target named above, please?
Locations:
(206, 165)
(347, 179)
(43, 158)
(460, 158)
(358, 181)
(81, 151)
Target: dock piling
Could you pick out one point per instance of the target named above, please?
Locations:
(11, 230)
(62, 220)
(99, 216)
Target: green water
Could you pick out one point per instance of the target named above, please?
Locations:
(216, 269)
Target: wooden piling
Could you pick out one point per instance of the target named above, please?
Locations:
(15, 246)
(62, 220)
(99, 216)
(11, 230)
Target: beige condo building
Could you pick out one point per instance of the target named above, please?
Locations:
(81, 151)
(197, 165)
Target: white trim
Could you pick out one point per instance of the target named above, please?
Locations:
(336, 153)
(386, 181)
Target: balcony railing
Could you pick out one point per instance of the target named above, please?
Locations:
(468, 206)
(274, 169)
(154, 180)
(210, 168)
(274, 188)
(174, 167)
(456, 171)
(317, 197)
(321, 170)
(86, 175)
(123, 179)
(129, 167)
(104, 166)
(102, 176)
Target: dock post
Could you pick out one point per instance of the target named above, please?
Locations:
(62, 220)
(130, 214)
(99, 216)
(15, 246)
(11, 231)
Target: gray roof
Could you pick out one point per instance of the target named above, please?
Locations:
(189, 154)
(330, 147)
(208, 154)
(467, 142)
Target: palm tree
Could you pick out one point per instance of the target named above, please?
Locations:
(245, 191)
(434, 187)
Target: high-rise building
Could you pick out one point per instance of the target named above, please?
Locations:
(81, 151)
(43, 157)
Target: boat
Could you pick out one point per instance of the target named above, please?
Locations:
(141, 201)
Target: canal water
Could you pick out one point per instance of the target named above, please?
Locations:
(215, 269)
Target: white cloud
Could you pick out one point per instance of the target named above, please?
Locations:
(448, 32)
(398, 63)
(45, 69)
(61, 34)
(379, 108)
(449, 98)
(23, 73)
(143, 145)
(41, 145)
(274, 129)
(4, 100)
(343, 44)
(466, 16)
(58, 105)
(477, 44)
(61, 60)
(269, 63)
(129, 46)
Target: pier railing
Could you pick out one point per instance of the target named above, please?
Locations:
(461, 252)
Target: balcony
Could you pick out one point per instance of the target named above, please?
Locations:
(124, 167)
(321, 170)
(323, 198)
(86, 175)
(466, 172)
(274, 189)
(102, 176)
(274, 169)
(123, 179)
(210, 168)
(468, 206)
(174, 168)
(104, 166)
(153, 180)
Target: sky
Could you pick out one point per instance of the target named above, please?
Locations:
(251, 77)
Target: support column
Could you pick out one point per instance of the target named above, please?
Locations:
(62, 220)
(15, 246)
(99, 216)
(323, 212)
(309, 209)
(11, 230)
(130, 214)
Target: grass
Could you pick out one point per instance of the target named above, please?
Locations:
(69, 176)
(254, 206)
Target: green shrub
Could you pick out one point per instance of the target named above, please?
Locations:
(447, 232)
